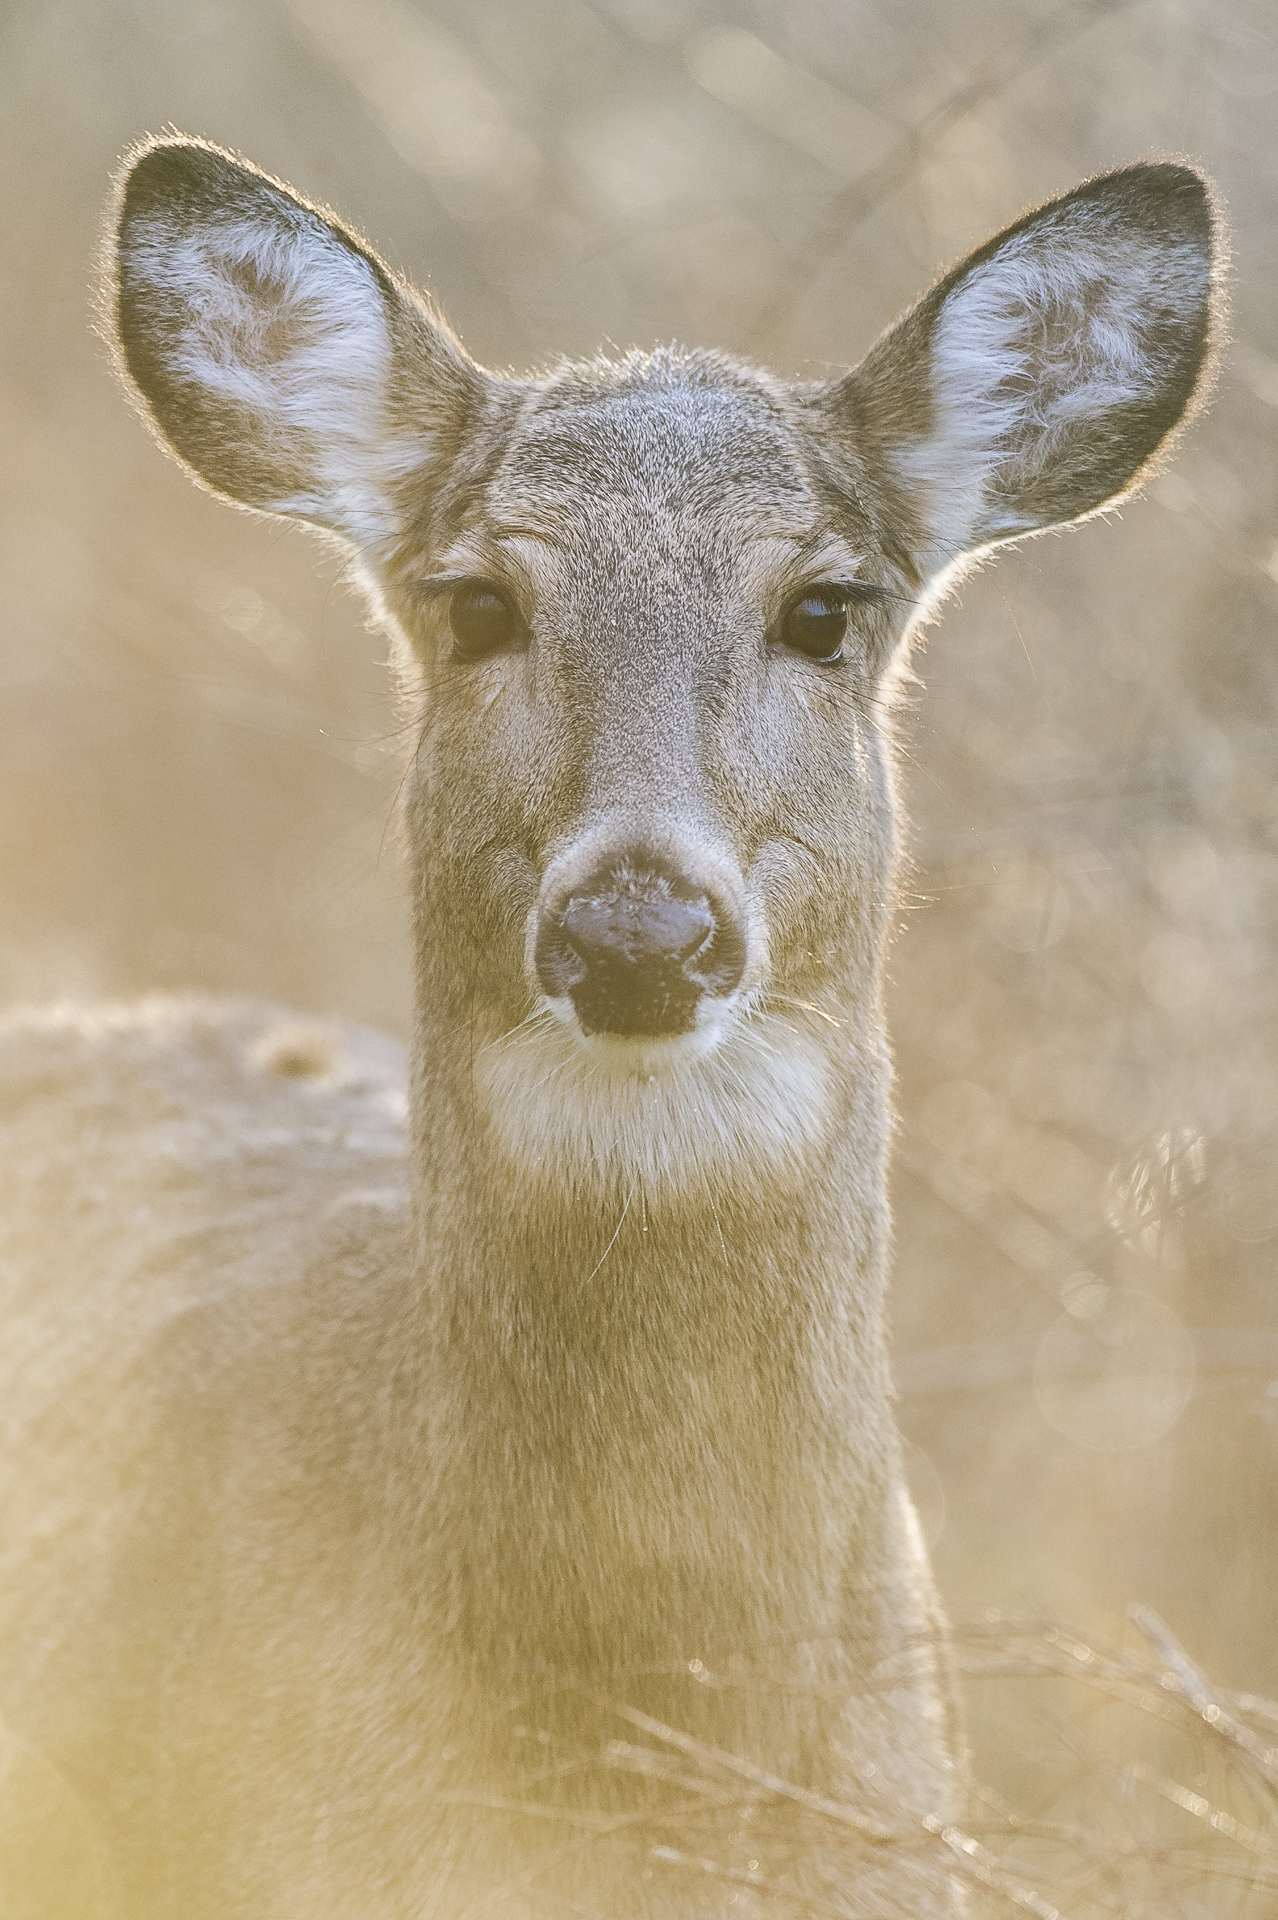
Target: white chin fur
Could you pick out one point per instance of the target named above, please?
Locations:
(741, 1096)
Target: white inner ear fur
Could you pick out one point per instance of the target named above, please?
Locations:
(1048, 334)
(289, 329)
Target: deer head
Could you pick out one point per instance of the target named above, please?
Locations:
(649, 616)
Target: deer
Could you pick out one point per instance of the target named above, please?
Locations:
(487, 1499)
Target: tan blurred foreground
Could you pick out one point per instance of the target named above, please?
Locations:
(196, 774)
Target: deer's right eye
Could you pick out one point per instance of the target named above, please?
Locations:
(481, 621)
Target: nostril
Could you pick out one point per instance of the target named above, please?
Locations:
(720, 962)
(636, 949)
(560, 968)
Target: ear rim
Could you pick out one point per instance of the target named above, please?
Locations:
(413, 319)
(845, 397)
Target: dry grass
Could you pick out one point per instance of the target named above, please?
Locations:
(1148, 1793)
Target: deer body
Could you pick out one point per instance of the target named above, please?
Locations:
(384, 1473)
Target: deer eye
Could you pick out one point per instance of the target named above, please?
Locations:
(481, 621)
(817, 624)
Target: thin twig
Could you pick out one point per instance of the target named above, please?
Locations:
(1201, 1808)
(770, 1783)
(1182, 1677)
(848, 209)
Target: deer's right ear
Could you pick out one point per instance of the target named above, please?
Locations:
(275, 353)
(1035, 383)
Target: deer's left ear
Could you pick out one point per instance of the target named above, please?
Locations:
(1037, 380)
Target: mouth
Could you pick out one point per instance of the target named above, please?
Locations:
(643, 1050)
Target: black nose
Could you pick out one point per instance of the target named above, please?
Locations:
(636, 948)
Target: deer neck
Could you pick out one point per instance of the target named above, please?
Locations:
(649, 1409)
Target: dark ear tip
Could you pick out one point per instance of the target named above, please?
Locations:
(179, 171)
(1163, 195)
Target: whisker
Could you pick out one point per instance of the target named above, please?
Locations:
(808, 1006)
(612, 1243)
(537, 1018)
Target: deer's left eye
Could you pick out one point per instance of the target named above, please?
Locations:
(481, 621)
(817, 625)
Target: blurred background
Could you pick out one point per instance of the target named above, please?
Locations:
(196, 764)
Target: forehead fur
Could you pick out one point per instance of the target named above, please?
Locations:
(672, 435)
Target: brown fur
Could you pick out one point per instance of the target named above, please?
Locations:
(363, 1482)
